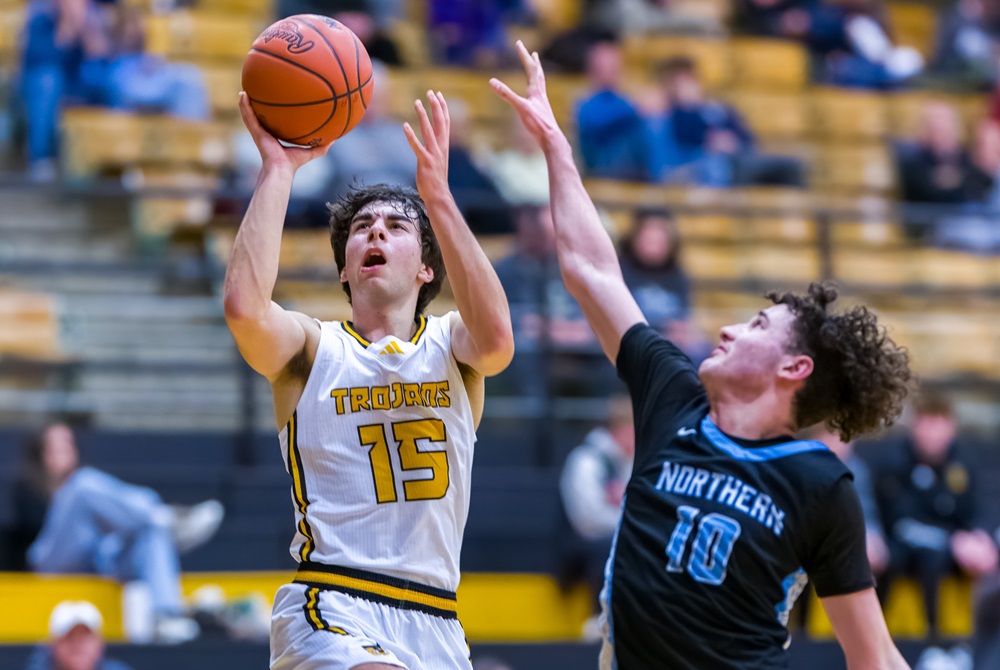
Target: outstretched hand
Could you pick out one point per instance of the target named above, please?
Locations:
(272, 152)
(432, 153)
(534, 107)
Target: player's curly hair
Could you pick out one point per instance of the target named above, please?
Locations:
(343, 211)
(860, 376)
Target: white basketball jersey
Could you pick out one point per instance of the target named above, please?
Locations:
(380, 453)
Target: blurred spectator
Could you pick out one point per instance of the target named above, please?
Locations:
(935, 169)
(637, 17)
(851, 37)
(978, 228)
(519, 170)
(708, 140)
(553, 340)
(125, 77)
(467, 33)
(650, 260)
(965, 49)
(475, 193)
(91, 522)
(88, 52)
(591, 486)
(614, 142)
(372, 34)
(774, 18)
(374, 152)
(52, 57)
(76, 640)
(927, 495)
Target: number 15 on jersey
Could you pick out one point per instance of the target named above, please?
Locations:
(406, 435)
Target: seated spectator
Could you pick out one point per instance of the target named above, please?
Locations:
(82, 520)
(374, 152)
(936, 169)
(554, 343)
(519, 169)
(591, 486)
(614, 142)
(638, 17)
(126, 77)
(76, 640)
(707, 142)
(373, 35)
(927, 493)
(650, 260)
(965, 50)
(477, 196)
(773, 18)
(467, 33)
(978, 228)
(851, 37)
(51, 73)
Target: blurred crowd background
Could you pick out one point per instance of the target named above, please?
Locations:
(732, 146)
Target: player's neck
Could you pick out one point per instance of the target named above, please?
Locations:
(762, 418)
(374, 324)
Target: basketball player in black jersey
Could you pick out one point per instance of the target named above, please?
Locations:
(726, 515)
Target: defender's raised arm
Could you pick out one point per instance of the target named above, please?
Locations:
(587, 255)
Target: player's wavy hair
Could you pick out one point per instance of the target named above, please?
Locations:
(860, 376)
(343, 211)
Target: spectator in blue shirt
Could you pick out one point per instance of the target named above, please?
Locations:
(710, 140)
(614, 141)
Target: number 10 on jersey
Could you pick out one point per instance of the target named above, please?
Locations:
(406, 434)
(713, 545)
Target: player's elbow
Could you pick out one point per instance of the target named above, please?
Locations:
(498, 352)
(238, 309)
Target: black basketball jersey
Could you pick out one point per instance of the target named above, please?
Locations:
(719, 535)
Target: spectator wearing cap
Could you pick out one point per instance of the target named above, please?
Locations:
(76, 640)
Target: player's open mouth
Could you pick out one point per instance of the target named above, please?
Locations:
(373, 259)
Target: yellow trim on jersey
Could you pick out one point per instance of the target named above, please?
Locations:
(299, 486)
(375, 588)
(420, 329)
(349, 327)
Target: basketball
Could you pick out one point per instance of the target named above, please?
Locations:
(308, 79)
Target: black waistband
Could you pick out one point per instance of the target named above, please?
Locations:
(392, 591)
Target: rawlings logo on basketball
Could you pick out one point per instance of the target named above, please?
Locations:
(288, 32)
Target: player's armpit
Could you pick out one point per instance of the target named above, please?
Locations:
(268, 344)
(860, 628)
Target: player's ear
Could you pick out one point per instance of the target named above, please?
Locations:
(796, 368)
(426, 274)
(343, 276)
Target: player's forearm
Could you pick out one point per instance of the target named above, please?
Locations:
(253, 264)
(585, 249)
(478, 293)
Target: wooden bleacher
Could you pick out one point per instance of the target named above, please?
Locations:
(30, 325)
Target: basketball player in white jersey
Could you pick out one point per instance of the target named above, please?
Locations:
(377, 415)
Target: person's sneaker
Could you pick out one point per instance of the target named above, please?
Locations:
(195, 525)
(175, 630)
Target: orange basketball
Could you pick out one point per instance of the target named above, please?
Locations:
(309, 79)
